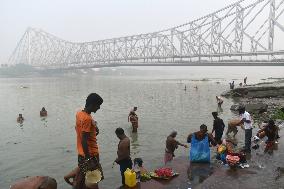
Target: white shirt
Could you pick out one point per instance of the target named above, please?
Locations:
(247, 116)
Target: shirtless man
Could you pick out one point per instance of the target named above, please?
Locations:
(20, 119)
(131, 112)
(123, 153)
(37, 182)
(133, 118)
(72, 175)
(43, 112)
(171, 145)
(219, 101)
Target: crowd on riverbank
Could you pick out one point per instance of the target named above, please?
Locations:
(88, 158)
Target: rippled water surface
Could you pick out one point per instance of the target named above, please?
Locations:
(48, 146)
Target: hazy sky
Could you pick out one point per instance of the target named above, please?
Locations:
(88, 20)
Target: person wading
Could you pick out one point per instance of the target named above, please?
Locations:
(133, 118)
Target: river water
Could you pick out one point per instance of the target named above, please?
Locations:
(48, 146)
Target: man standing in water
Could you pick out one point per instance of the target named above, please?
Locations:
(20, 119)
(43, 112)
(245, 81)
(232, 85)
(134, 121)
(132, 111)
(123, 153)
(87, 147)
(200, 141)
(218, 127)
(246, 120)
(171, 145)
(219, 101)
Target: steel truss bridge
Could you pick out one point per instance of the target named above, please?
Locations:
(247, 31)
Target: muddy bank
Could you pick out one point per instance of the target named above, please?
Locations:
(262, 100)
(256, 92)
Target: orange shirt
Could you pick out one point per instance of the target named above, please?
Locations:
(84, 122)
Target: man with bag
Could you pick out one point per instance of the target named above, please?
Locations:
(200, 141)
(87, 147)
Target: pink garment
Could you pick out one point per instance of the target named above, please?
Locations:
(168, 157)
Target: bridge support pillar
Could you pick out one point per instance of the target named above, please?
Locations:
(271, 25)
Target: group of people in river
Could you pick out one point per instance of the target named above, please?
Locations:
(42, 113)
(232, 84)
(89, 157)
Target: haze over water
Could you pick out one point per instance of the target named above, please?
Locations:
(48, 146)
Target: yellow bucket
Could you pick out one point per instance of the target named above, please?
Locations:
(130, 178)
(92, 178)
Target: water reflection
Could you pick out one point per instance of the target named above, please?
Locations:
(219, 109)
(198, 172)
(134, 143)
(21, 125)
(44, 121)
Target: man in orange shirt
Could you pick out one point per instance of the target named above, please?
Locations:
(87, 147)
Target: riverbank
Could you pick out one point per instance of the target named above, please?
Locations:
(263, 100)
(265, 170)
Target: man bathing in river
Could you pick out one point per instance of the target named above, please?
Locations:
(43, 112)
(20, 119)
(131, 112)
(133, 118)
(219, 101)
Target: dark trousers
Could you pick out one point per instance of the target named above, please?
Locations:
(218, 135)
(124, 164)
(248, 135)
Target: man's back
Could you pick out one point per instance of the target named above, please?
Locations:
(123, 150)
(218, 124)
(171, 144)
